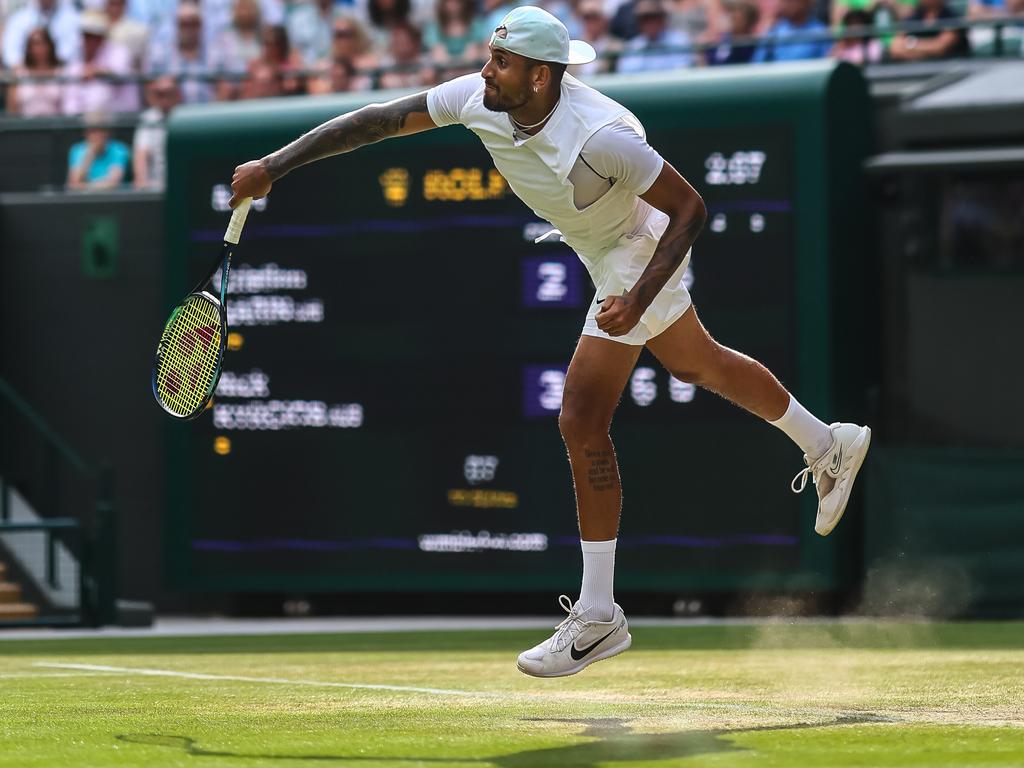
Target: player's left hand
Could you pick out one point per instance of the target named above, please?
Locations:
(618, 315)
(250, 180)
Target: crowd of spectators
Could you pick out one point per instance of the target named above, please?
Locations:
(102, 57)
(231, 49)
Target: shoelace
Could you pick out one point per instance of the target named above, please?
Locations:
(813, 470)
(801, 476)
(570, 627)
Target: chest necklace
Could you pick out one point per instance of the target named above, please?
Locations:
(543, 120)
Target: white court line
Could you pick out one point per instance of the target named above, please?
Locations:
(37, 676)
(244, 679)
(543, 697)
(90, 670)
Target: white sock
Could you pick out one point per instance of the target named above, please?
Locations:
(804, 429)
(598, 575)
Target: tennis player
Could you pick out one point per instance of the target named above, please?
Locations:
(580, 161)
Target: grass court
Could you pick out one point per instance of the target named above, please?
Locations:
(774, 694)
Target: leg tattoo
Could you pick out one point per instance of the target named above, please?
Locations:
(601, 473)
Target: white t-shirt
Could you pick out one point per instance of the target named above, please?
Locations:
(615, 154)
(151, 135)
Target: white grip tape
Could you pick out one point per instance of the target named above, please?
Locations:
(234, 230)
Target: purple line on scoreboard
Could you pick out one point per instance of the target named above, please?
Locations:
(300, 545)
(329, 545)
(256, 232)
(552, 281)
(697, 542)
(755, 206)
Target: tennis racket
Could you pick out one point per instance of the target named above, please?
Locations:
(191, 349)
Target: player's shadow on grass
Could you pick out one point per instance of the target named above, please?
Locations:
(614, 742)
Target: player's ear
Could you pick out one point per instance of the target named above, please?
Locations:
(540, 77)
(544, 75)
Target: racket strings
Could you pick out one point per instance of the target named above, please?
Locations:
(190, 349)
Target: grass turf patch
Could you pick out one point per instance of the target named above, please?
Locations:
(848, 694)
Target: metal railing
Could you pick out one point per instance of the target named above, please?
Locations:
(999, 26)
(46, 573)
(89, 518)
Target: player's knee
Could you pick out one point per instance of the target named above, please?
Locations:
(698, 376)
(580, 425)
(688, 375)
(706, 369)
(697, 372)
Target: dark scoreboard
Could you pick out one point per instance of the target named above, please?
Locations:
(387, 416)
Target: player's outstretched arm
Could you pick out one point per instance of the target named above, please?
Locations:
(344, 133)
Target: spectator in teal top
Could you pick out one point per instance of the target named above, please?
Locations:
(796, 17)
(456, 33)
(98, 162)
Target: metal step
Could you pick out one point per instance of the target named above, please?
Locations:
(18, 611)
(9, 592)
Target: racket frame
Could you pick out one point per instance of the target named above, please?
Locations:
(223, 262)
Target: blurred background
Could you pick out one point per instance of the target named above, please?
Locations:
(384, 437)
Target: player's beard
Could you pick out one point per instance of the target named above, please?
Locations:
(494, 102)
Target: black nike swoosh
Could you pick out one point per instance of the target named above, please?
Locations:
(578, 654)
(599, 301)
(838, 460)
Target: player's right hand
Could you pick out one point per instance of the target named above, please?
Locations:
(250, 180)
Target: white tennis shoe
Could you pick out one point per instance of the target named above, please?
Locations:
(833, 473)
(576, 643)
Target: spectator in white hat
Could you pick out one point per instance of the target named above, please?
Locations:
(94, 91)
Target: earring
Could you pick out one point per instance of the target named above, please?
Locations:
(536, 89)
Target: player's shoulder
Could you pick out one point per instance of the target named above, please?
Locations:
(614, 143)
(448, 102)
(618, 131)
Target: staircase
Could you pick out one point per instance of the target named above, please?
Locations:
(11, 605)
(55, 569)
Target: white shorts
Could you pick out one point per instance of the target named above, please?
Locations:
(623, 266)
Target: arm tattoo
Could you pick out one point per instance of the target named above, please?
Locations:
(672, 248)
(352, 130)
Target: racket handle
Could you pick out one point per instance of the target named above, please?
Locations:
(234, 230)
